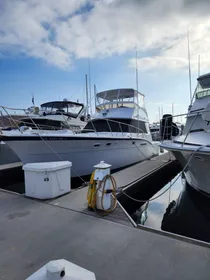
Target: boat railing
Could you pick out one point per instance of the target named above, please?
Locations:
(14, 123)
(131, 129)
(169, 128)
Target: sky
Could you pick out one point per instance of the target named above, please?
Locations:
(46, 47)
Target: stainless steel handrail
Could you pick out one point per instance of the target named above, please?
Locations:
(27, 114)
(122, 123)
(189, 129)
(138, 130)
(196, 114)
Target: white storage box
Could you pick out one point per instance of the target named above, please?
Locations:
(62, 269)
(46, 180)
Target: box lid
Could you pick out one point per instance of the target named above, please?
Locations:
(102, 165)
(46, 166)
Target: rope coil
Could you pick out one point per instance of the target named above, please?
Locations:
(93, 189)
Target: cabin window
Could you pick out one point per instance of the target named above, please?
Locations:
(45, 124)
(203, 93)
(116, 125)
(96, 145)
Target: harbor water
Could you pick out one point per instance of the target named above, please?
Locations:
(177, 208)
(154, 210)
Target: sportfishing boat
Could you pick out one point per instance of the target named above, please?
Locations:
(192, 148)
(118, 133)
(54, 115)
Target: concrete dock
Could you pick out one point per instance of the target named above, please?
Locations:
(33, 233)
(76, 201)
(144, 179)
(135, 173)
(130, 176)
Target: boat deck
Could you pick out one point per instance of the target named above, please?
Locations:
(33, 233)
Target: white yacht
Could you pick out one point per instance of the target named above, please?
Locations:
(53, 115)
(192, 148)
(56, 115)
(118, 133)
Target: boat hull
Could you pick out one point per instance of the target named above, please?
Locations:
(197, 172)
(84, 153)
(7, 156)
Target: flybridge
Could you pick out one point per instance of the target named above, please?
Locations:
(203, 86)
(115, 98)
(114, 94)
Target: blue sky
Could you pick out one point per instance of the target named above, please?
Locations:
(22, 77)
(45, 47)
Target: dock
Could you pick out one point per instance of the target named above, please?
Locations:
(144, 179)
(129, 177)
(76, 201)
(33, 233)
(135, 173)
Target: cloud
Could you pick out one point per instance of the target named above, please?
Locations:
(174, 54)
(26, 26)
(60, 31)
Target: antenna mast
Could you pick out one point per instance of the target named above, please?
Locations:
(159, 113)
(89, 74)
(95, 91)
(87, 103)
(137, 79)
(189, 65)
(172, 109)
(199, 65)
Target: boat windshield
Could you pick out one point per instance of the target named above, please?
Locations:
(62, 107)
(127, 98)
(203, 88)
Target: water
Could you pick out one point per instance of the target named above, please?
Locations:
(156, 208)
(153, 211)
(181, 210)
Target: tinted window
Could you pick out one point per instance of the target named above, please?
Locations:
(43, 124)
(126, 125)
